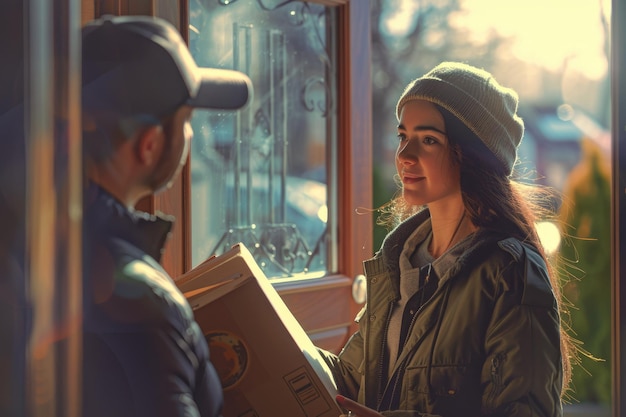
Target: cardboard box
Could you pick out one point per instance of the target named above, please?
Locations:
(267, 363)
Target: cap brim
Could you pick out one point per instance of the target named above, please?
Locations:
(222, 89)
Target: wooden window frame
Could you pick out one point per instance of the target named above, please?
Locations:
(354, 130)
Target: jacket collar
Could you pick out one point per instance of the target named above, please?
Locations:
(394, 241)
(108, 217)
(387, 258)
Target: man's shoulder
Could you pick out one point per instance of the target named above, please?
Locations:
(142, 290)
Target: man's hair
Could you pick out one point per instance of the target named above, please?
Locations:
(102, 136)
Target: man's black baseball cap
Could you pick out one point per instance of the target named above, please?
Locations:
(140, 65)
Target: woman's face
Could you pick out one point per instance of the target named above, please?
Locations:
(423, 159)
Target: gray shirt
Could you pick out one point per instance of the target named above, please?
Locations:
(415, 259)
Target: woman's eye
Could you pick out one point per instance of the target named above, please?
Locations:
(401, 137)
(430, 141)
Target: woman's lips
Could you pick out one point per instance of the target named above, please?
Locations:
(411, 179)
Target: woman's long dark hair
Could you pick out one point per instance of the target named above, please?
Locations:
(494, 201)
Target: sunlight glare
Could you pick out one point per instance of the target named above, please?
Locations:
(400, 18)
(549, 236)
(552, 33)
(322, 213)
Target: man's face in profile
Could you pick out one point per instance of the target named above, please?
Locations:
(178, 134)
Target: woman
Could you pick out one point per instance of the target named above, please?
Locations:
(463, 313)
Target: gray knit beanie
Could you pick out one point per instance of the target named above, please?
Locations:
(478, 100)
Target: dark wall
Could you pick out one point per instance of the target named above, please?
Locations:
(13, 311)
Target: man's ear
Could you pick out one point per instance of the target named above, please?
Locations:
(149, 145)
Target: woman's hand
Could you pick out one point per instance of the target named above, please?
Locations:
(356, 409)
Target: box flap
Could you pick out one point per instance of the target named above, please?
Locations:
(210, 272)
(234, 271)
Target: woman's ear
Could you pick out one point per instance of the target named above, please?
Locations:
(149, 145)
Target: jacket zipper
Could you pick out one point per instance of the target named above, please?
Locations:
(381, 387)
(496, 375)
(401, 367)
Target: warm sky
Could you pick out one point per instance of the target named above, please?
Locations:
(544, 31)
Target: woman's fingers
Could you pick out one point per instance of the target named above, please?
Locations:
(355, 409)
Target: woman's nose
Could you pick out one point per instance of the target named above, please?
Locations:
(407, 152)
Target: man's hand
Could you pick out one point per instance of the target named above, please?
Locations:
(355, 409)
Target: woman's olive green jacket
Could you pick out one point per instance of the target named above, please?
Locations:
(487, 343)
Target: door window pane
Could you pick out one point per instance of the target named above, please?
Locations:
(261, 175)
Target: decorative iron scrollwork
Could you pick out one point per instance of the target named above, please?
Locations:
(279, 249)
